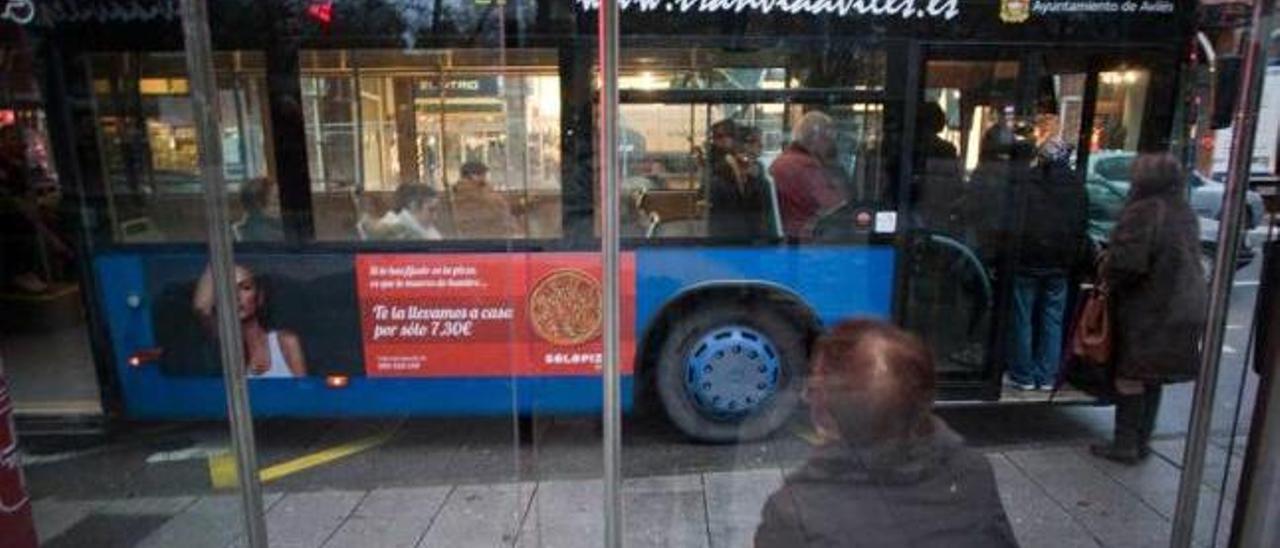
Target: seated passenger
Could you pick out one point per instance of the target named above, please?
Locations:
(654, 173)
(888, 472)
(478, 211)
(413, 217)
(261, 221)
(807, 186)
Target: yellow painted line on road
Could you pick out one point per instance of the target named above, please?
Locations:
(222, 467)
(807, 434)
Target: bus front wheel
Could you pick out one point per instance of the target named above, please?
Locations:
(730, 372)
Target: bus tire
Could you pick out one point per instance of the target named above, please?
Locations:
(779, 348)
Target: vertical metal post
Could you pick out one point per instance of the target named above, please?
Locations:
(607, 48)
(357, 117)
(1246, 118)
(1258, 500)
(204, 103)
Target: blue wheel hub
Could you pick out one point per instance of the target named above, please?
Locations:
(732, 371)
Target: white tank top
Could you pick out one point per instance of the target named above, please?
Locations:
(279, 367)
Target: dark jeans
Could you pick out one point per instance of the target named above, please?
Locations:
(1039, 304)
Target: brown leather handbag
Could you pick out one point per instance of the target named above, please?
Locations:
(1091, 337)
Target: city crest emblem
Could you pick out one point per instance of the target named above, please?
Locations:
(1015, 11)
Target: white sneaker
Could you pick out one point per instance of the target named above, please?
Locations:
(1025, 387)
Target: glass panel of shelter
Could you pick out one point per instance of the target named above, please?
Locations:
(146, 133)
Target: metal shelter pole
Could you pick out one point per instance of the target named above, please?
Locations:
(607, 34)
(205, 108)
(1258, 499)
(1246, 119)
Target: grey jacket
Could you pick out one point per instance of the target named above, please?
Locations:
(922, 493)
(1158, 293)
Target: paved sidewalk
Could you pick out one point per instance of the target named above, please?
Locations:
(1057, 496)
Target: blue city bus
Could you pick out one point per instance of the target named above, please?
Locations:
(325, 113)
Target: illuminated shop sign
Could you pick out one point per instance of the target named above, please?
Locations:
(458, 86)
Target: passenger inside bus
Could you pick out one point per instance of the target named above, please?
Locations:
(261, 220)
(478, 211)
(804, 173)
(938, 174)
(412, 218)
(735, 186)
(1051, 212)
(268, 352)
(34, 249)
(1002, 154)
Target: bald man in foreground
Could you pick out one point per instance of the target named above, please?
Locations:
(887, 472)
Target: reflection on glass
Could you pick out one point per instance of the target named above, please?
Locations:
(1122, 97)
(683, 161)
(422, 128)
(148, 138)
(882, 460)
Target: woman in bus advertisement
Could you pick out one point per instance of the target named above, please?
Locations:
(268, 352)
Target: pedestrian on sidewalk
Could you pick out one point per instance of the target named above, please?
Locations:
(887, 471)
(1158, 296)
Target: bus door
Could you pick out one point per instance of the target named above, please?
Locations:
(983, 120)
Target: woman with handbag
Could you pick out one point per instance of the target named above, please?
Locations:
(1155, 285)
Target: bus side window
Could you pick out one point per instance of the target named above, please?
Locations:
(147, 144)
(396, 125)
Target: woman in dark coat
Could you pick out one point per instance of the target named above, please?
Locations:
(1158, 298)
(887, 472)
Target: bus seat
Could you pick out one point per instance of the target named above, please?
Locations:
(673, 212)
(140, 229)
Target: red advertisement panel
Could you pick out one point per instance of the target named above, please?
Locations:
(478, 315)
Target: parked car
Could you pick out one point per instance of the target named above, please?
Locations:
(1107, 184)
(1206, 200)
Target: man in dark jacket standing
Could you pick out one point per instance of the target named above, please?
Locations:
(888, 472)
(1051, 234)
(1158, 300)
(736, 190)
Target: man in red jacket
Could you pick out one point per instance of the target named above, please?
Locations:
(806, 185)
